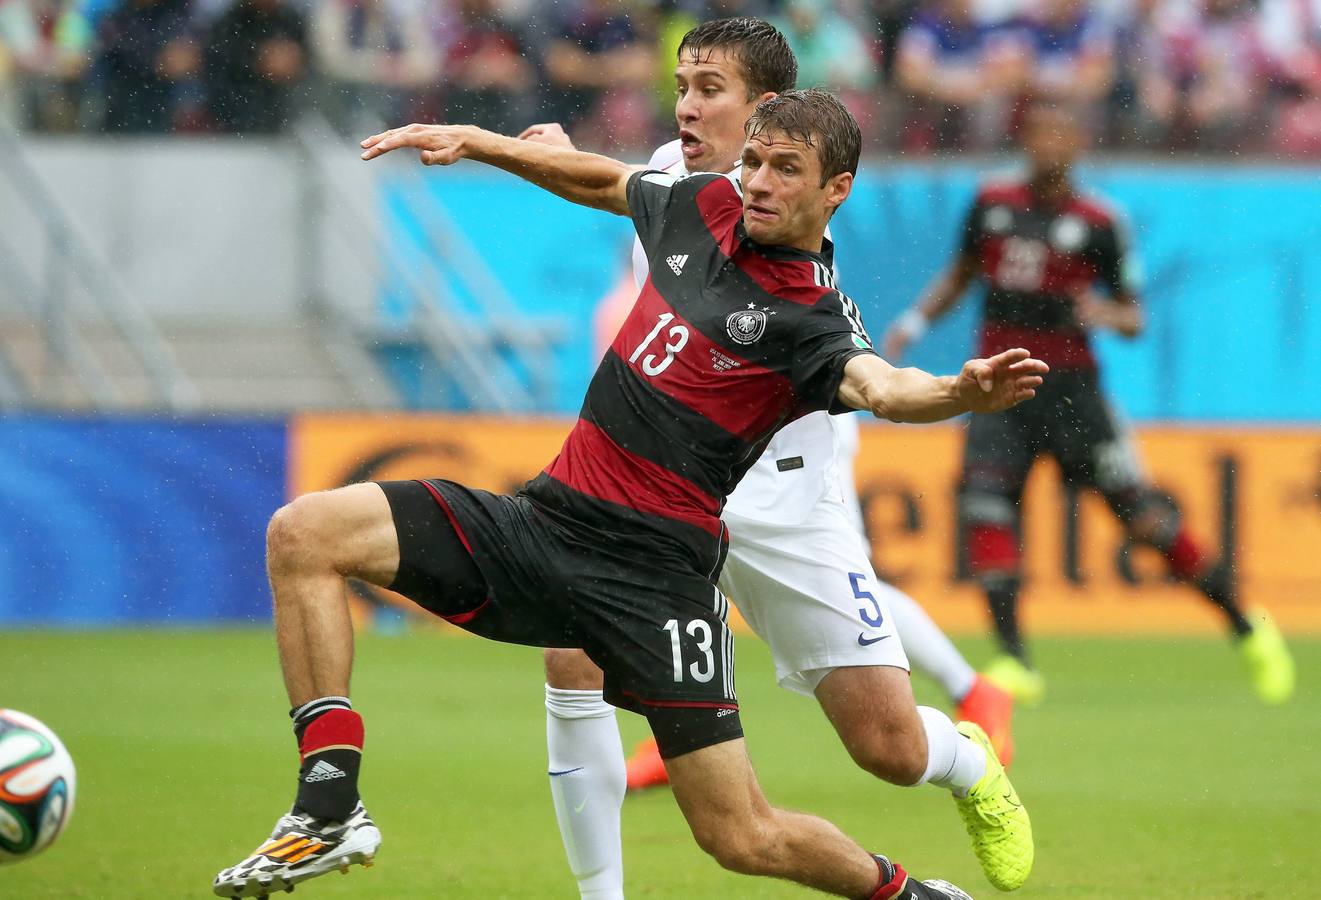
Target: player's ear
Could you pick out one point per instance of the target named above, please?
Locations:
(838, 187)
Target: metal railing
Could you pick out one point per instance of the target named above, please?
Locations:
(530, 344)
(64, 345)
(499, 367)
(87, 341)
(70, 254)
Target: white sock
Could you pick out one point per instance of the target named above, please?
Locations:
(928, 649)
(587, 784)
(953, 761)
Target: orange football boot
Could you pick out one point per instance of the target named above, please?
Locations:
(993, 709)
(645, 768)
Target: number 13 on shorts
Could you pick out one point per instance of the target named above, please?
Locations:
(705, 668)
(702, 653)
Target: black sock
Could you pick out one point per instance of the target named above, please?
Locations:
(1218, 585)
(329, 736)
(1002, 598)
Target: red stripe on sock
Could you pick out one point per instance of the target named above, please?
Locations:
(336, 727)
(892, 887)
(992, 548)
(1184, 555)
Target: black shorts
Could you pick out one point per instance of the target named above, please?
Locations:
(1070, 420)
(500, 568)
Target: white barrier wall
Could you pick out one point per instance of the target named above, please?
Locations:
(200, 228)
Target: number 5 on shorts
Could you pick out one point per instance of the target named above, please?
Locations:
(873, 617)
(697, 628)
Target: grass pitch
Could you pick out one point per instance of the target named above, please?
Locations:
(1150, 771)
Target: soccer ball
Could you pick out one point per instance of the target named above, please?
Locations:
(36, 786)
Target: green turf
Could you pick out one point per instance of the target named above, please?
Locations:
(1150, 772)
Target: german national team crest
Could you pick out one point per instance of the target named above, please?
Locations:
(746, 325)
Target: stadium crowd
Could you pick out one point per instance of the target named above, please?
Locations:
(923, 76)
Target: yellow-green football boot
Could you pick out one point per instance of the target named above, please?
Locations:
(1014, 678)
(1270, 665)
(996, 820)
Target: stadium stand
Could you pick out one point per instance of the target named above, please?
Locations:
(1182, 76)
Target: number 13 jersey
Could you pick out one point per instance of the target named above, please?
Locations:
(728, 342)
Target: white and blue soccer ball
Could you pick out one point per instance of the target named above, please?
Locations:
(36, 786)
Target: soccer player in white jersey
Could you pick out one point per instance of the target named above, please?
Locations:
(797, 568)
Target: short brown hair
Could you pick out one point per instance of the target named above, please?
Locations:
(817, 119)
(763, 52)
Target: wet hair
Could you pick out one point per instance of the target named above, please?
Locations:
(817, 119)
(761, 50)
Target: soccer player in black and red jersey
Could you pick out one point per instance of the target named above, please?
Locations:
(615, 546)
(1042, 247)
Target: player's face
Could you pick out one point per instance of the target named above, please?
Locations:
(1052, 139)
(784, 201)
(711, 106)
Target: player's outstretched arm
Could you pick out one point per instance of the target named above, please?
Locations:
(583, 178)
(912, 395)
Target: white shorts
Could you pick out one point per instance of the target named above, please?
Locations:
(808, 591)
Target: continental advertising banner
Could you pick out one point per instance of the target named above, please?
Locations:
(1255, 494)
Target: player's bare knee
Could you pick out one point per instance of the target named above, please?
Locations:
(898, 758)
(572, 670)
(912, 764)
(291, 542)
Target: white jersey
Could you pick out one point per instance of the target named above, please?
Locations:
(807, 448)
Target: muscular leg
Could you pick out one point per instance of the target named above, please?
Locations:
(931, 653)
(872, 710)
(586, 766)
(312, 545)
(731, 819)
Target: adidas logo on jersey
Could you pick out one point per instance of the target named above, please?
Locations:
(324, 771)
(676, 263)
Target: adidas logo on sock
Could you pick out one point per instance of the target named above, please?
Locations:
(324, 771)
(676, 263)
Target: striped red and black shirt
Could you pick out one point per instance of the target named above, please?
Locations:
(1034, 257)
(728, 341)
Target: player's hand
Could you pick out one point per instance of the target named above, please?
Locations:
(903, 332)
(1006, 379)
(1090, 309)
(1093, 311)
(894, 344)
(550, 133)
(437, 145)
